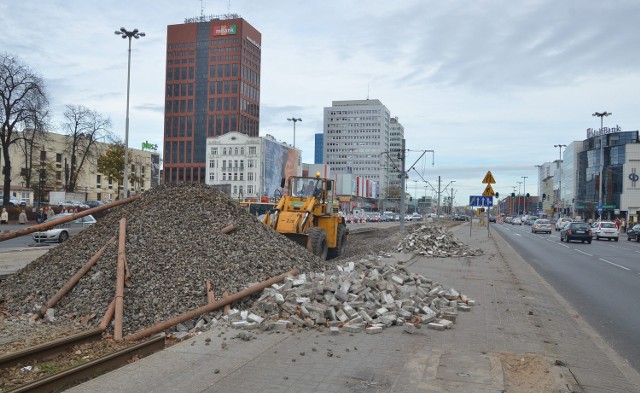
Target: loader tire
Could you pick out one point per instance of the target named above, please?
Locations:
(342, 241)
(317, 242)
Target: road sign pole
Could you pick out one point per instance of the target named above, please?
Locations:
(488, 221)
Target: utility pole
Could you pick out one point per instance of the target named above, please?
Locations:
(403, 176)
(519, 195)
(524, 191)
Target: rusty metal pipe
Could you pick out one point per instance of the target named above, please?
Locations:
(211, 297)
(74, 279)
(229, 228)
(209, 307)
(47, 225)
(227, 308)
(108, 315)
(119, 309)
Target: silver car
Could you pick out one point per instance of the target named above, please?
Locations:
(62, 232)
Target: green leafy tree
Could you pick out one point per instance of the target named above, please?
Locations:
(111, 163)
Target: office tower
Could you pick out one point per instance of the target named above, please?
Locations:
(212, 88)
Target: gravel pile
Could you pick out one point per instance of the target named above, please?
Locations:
(174, 245)
(435, 241)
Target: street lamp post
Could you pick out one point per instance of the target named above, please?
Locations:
(524, 191)
(124, 33)
(294, 120)
(601, 115)
(560, 181)
(519, 194)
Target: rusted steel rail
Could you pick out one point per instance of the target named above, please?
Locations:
(73, 376)
(50, 224)
(47, 350)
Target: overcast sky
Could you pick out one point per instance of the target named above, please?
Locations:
(487, 85)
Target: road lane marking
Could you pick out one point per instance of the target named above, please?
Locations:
(614, 264)
(563, 245)
(517, 234)
(582, 252)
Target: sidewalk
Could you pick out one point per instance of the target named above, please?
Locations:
(516, 314)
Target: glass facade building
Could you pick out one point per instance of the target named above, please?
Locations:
(600, 175)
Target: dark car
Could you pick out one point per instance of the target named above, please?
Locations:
(576, 231)
(634, 233)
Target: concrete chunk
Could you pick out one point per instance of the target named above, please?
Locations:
(334, 330)
(409, 328)
(436, 326)
(373, 330)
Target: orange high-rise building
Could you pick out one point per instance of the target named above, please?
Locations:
(212, 87)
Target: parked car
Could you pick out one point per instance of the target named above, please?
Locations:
(605, 230)
(13, 201)
(373, 217)
(508, 220)
(633, 233)
(62, 232)
(562, 221)
(576, 231)
(416, 217)
(541, 225)
(516, 221)
(531, 220)
(72, 205)
(94, 203)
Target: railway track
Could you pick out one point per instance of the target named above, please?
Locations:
(67, 363)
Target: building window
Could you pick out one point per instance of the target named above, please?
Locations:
(252, 150)
(250, 176)
(249, 189)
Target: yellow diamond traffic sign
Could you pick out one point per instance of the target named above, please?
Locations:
(488, 178)
(488, 191)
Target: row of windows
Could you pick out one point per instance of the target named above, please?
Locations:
(223, 70)
(179, 175)
(231, 177)
(217, 41)
(356, 112)
(231, 164)
(223, 87)
(177, 151)
(178, 126)
(342, 129)
(232, 151)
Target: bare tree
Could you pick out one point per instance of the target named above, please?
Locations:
(84, 128)
(34, 139)
(21, 90)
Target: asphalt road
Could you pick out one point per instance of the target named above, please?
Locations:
(600, 280)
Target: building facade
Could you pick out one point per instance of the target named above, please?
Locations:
(318, 158)
(396, 135)
(51, 167)
(252, 167)
(605, 169)
(356, 134)
(212, 88)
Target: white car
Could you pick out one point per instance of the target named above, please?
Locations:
(605, 230)
(516, 221)
(562, 221)
(62, 232)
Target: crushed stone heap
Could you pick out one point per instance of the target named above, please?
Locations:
(435, 241)
(174, 245)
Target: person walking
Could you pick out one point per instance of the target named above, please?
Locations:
(623, 226)
(617, 223)
(4, 217)
(50, 212)
(22, 217)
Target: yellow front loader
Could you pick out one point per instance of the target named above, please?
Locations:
(306, 215)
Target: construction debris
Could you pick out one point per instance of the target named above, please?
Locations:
(435, 241)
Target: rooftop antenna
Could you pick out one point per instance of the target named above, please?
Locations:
(368, 82)
(229, 7)
(202, 8)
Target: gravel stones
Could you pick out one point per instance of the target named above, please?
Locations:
(435, 241)
(174, 245)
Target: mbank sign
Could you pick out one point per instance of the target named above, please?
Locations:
(225, 30)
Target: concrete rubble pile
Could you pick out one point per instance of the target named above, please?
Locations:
(435, 241)
(367, 295)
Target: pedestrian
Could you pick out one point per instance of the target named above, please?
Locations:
(50, 212)
(4, 217)
(623, 225)
(42, 216)
(617, 223)
(22, 217)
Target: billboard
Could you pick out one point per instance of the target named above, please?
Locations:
(280, 161)
(224, 30)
